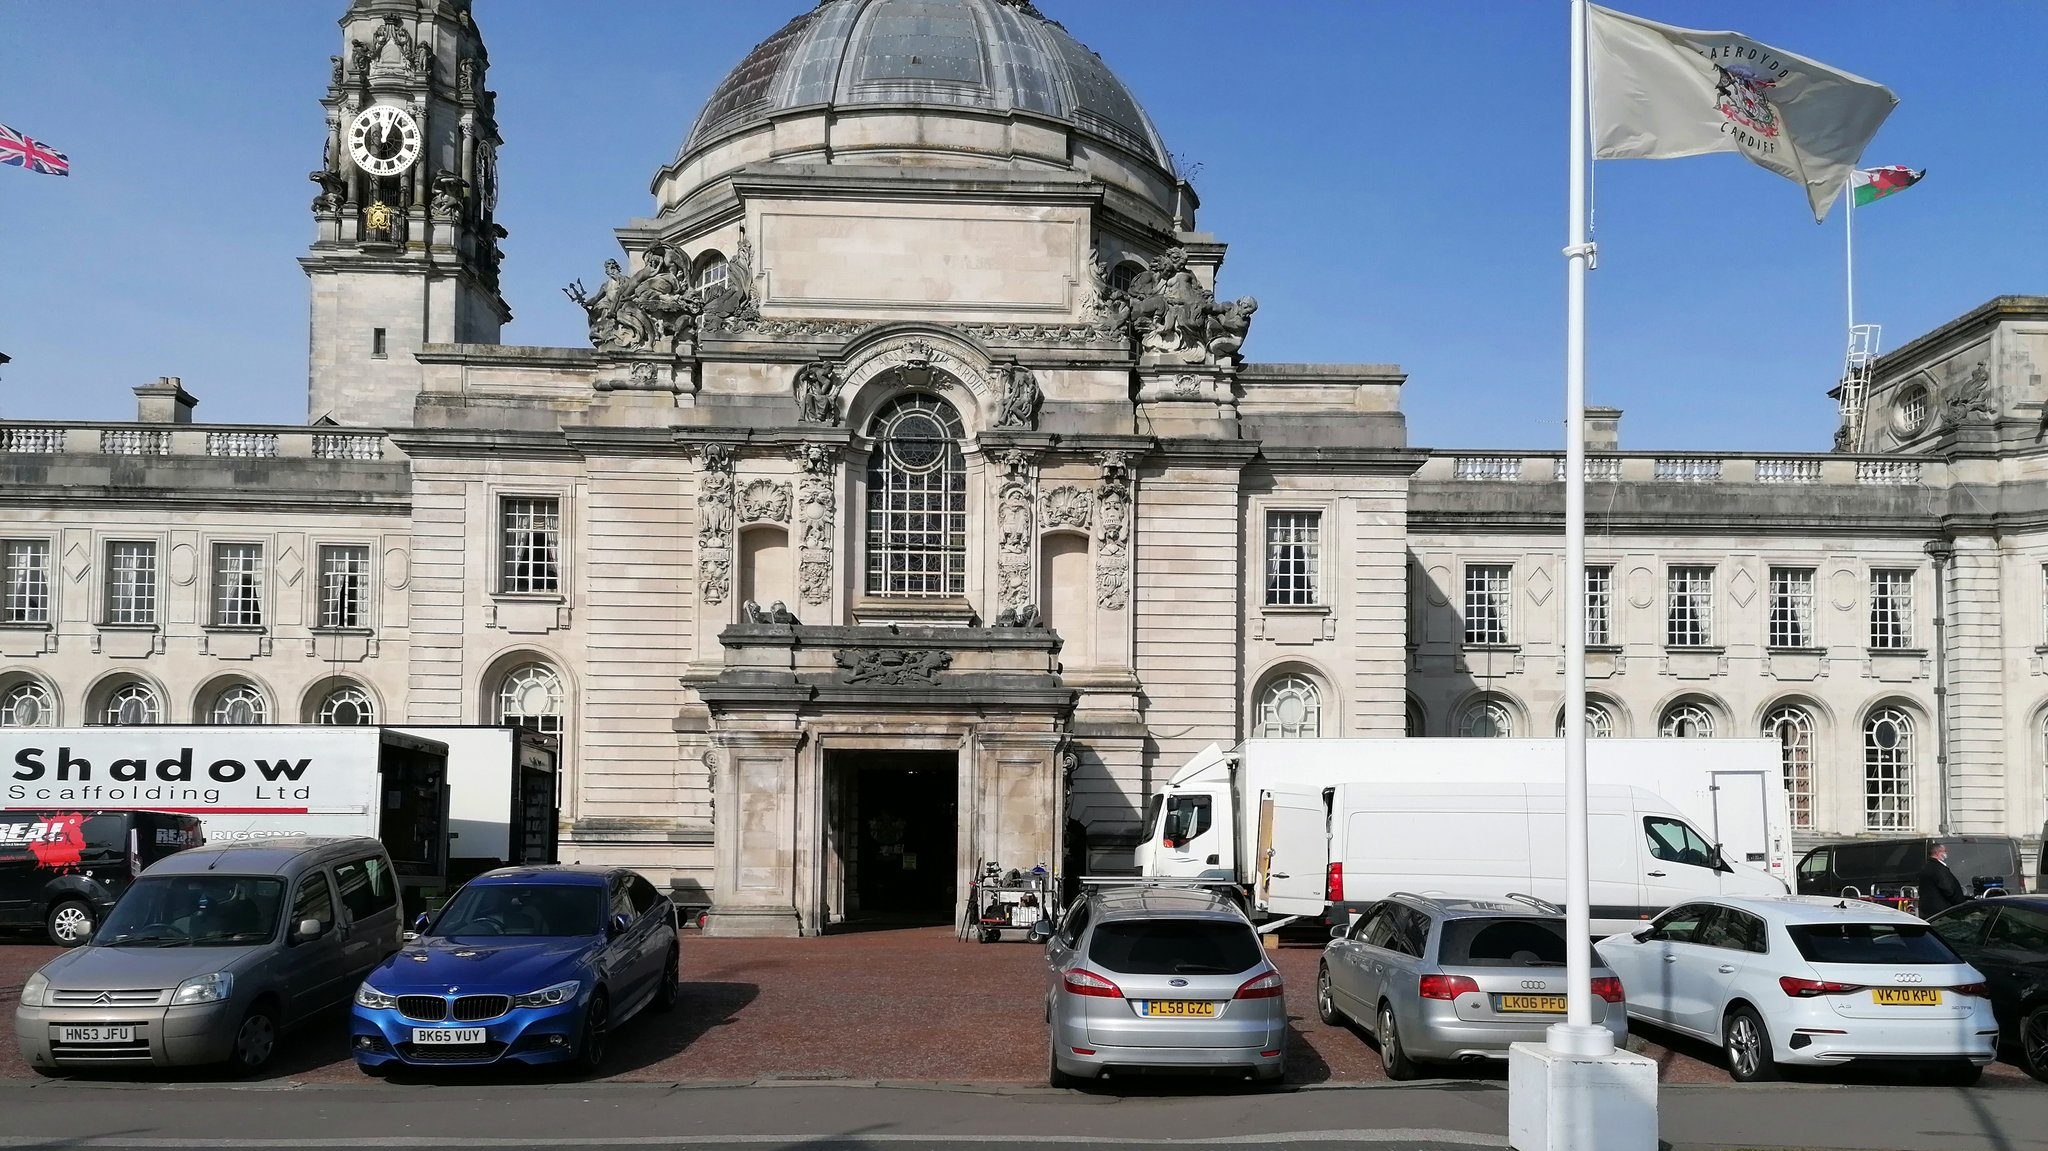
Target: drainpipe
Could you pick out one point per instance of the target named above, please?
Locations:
(1941, 551)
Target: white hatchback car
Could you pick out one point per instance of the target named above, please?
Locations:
(1806, 980)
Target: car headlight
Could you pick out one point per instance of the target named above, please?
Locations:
(375, 1000)
(554, 996)
(204, 989)
(35, 990)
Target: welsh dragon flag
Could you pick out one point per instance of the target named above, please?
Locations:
(1874, 184)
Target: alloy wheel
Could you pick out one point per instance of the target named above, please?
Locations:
(1745, 1046)
(2034, 1043)
(70, 924)
(1326, 999)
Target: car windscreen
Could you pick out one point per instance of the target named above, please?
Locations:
(524, 910)
(1174, 947)
(1501, 943)
(194, 911)
(1869, 943)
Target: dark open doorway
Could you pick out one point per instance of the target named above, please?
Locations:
(898, 828)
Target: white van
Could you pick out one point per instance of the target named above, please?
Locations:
(1483, 841)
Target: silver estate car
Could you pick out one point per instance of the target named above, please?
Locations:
(1168, 979)
(212, 954)
(1444, 980)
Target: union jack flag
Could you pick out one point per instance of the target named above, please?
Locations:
(22, 152)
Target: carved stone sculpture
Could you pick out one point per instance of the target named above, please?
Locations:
(1969, 400)
(775, 613)
(1112, 532)
(1024, 616)
(1019, 403)
(450, 194)
(817, 514)
(358, 57)
(1177, 320)
(892, 667)
(333, 191)
(391, 45)
(715, 522)
(423, 61)
(1013, 519)
(338, 66)
(468, 76)
(765, 501)
(655, 308)
(817, 393)
(1068, 507)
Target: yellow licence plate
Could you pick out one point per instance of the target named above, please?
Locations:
(1551, 1004)
(1185, 1008)
(1905, 996)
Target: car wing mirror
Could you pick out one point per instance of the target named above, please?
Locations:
(307, 930)
(1339, 930)
(1041, 931)
(617, 925)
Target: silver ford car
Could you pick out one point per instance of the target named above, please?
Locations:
(1162, 979)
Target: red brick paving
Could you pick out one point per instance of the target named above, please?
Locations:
(892, 1005)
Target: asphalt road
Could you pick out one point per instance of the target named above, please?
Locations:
(907, 1117)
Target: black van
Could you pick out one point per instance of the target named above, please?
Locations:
(61, 870)
(1980, 863)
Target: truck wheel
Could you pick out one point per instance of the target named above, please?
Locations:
(1326, 999)
(1393, 1057)
(70, 923)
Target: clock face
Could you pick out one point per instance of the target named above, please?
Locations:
(487, 176)
(384, 140)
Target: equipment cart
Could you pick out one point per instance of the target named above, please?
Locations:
(1002, 900)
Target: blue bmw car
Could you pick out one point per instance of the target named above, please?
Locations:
(528, 964)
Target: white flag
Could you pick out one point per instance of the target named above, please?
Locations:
(1660, 92)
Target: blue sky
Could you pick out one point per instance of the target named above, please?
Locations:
(1390, 177)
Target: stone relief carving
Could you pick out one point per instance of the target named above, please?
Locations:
(777, 612)
(655, 307)
(839, 331)
(817, 392)
(391, 46)
(715, 522)
(1970, 400)
(1018, 405)
(1112, 532)
(892, 667)
(1067, 506)
(1014, 534)
(817, 514)
(764, 501)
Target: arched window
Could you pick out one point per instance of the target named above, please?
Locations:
(1888, 770)
(1487, 719)
(1415, 723)
(28, 704)
(1687, 721)
(1599, 721)
(917, 501)
(712, 274)
(1291, 707)
(132, 704)
(348, 706)
(1792, 727)
(1124, 275)
(239, 703)
(531, 696)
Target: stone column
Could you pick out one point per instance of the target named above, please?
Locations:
(755, 889)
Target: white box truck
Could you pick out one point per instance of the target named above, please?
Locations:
(1272, 816)
(247, 782)
(504, 795)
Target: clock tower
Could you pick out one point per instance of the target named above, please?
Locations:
(406, 249)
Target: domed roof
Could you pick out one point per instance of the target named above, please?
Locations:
(997, 55)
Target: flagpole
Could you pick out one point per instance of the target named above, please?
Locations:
(1849, 257)
(1577, 1035)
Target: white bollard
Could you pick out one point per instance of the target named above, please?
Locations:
(1565, 1102)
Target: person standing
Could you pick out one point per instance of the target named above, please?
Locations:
(1939, 889)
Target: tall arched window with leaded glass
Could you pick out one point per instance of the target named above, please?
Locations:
(917, 500)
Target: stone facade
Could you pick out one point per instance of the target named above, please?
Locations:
(913, 506)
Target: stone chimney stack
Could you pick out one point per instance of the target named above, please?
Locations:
(164, 402)
(1603, 429)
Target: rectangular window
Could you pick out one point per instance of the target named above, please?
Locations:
(531, 533)
(238, 585)
(1791, 622)
(379, 346)
(344, 586)
(1599, 606)
(25, 581)
(1294, 556)
(1891, 609)
(1486, 603)
(1689, 607)
(131, 582)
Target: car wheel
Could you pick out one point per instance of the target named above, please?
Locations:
(1393, 1057)
(596, 1033)
(255, 1041)
(70, 923)
(670, 991)
(1749, 1047)
(1054, 1077)
(1326, 999)
(2034, 1043)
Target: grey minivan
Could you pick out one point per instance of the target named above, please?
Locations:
(213, 954)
